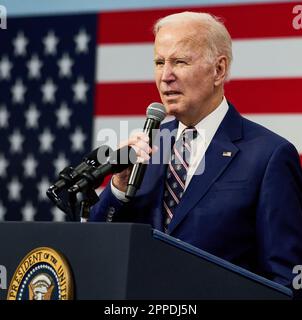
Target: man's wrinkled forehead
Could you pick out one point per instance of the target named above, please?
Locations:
(192, 41)
(191, 35)
(188, 43)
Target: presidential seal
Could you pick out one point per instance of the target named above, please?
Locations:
(43, 274)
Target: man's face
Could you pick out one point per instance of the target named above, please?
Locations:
(184, 78)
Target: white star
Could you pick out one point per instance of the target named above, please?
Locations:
(82, 39)
(30, 165)
(4, 115)
(46, 139)
(58, 215)
(48, 89)
(3, 166)
(2, 211)
(28, 212)
(34, 65)
(32, 115)
(5, 68)
(16, 139)
(14, 189)
(20, 43)
(60, 163)
(80, 88)
(50, 43)
(43, 186)
(63, 114)
(18, 90)
(65, 64)
(77, 140)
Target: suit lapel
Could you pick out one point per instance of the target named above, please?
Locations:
(216, 162)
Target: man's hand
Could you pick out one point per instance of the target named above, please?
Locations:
(140, 143)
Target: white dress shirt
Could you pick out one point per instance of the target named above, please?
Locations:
(206, 129)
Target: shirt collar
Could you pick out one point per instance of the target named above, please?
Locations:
(208, 126)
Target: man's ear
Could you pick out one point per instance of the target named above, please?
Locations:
(220, 70)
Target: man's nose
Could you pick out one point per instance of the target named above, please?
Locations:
(168, 73)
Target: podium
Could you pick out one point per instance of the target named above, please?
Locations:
(133, 261)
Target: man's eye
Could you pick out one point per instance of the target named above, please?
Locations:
(180, 62)
(159, 63)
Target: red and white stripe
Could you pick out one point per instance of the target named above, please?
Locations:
(172, 193)
(180, 160)
(168, 210)
(266, 76)
(181, 183)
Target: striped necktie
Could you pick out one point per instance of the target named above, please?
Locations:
(177, 172)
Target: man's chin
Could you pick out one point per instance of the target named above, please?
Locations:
(172, 109)
(171, 105)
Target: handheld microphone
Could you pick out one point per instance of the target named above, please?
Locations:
(155, 115)
(117, 162)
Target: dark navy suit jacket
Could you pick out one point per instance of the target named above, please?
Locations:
(246, 208)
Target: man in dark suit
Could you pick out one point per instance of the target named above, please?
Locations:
(239, 195)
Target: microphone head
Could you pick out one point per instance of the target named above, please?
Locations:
(156, 111)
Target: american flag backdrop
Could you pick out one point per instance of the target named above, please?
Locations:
(46, 108)
(65, 78)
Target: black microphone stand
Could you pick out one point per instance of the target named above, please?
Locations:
(86, 199)
(85, 195)
(78, 201)
(66, 179)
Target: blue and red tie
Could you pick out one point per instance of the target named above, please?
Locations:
(177, 172)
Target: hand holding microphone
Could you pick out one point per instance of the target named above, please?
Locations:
(140, 143)
(129, 181)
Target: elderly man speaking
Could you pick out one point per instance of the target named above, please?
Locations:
(245, 206)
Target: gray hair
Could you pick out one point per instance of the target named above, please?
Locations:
(214, 32)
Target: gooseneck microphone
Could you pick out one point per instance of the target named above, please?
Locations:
(156, 113)
(69, 175)
(118, 161)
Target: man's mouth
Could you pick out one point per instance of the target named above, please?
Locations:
(171, 93)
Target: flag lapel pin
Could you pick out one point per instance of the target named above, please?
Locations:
(227, 153)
